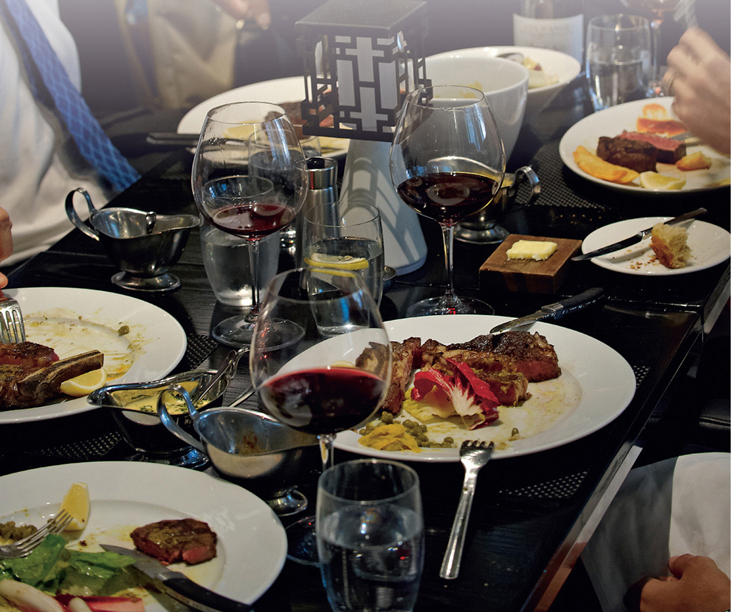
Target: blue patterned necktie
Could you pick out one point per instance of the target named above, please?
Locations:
(40, 60)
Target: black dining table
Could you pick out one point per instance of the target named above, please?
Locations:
(533, 513)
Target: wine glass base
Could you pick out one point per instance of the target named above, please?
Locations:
(289, 504)
(437, 306)
(235, 331)
(302, 542)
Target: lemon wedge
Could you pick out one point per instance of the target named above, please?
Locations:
(76, 503)
(85, 383)
(653, 180)
(341, 262)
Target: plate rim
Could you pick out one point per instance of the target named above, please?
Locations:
(453, 456)
(80, 405)
(648, 221)
(59, 477)
(567, 155)
(203, 107)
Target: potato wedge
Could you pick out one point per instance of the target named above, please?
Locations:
(694, 161)
(654, 111)
(598, 168)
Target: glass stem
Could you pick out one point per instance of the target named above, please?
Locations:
(254, 272)
(326, 450)
(655, 74)
(450, 299)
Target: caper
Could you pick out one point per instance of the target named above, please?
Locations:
(515, 432)
(363, 431)
(449, 440)
(387, 418)
(409, 424)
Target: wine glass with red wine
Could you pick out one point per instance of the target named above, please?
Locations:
(321, 362)
(249, 179)
(447, 162)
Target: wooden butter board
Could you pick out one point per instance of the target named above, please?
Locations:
(528, 275)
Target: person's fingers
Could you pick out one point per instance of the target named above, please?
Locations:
(699, 43)
(3, 282)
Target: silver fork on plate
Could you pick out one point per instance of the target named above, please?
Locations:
(22, 548)
(474, 456)
(12, 329)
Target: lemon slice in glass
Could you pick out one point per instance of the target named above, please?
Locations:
(76, 503)
(85, 383)
(653, 180)
(341, 262)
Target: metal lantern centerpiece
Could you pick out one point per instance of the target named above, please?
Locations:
(361, 59)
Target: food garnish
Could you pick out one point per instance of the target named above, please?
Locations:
(598, 168)
(390, 437)
(84, 384)
(694, 161)
(653, 180)
(461, 393)
(76, 503)
(341, 262)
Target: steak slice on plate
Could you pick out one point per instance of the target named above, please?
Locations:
(175, 540)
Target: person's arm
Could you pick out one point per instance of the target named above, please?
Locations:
(6, 242)
(258, 10)
(698, 76)
(696, 585)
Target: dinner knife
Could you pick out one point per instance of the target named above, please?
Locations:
(178, 585)
(553, 311)
(622, 244)
(173, 139)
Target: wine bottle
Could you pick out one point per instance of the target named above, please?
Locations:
(551, 24)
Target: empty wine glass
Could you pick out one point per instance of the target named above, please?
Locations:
(447, 162)
(249, 179)
(321, 362)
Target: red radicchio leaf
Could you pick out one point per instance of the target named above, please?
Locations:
(464, 390)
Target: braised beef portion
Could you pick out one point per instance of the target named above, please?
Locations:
(405, 359)
(175, 540)
(668, 150)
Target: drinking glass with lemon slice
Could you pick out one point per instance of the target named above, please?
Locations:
(351, 242)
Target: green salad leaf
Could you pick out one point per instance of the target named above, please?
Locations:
(54, 568)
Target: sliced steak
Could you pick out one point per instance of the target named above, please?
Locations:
(404, 361)
(668, 150)
(24, 387)
(27, 354)
(171, 541)
(636, 155)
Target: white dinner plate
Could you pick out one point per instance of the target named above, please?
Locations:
(595, 386)
(73, 321)
(612, 121)
(709, 246)
(276, 91)
(251, 546)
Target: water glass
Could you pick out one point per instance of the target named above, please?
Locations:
(350, 240)
(618, 59)
(228, 267)
(370, 535)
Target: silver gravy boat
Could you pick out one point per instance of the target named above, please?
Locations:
(144, 245)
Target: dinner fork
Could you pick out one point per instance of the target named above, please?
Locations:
(473, 455)
(25, 546)
(12, 329)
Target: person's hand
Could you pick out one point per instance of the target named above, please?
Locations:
(696, 585)
(258, 10)
(698, 77)
(6, 242)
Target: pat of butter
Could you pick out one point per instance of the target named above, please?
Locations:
(532, 249)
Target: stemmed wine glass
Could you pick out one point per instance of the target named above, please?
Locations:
(321, 362)
(659, 8)
(249, 179)
(447, 162)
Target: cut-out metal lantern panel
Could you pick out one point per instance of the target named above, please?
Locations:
(361, 59)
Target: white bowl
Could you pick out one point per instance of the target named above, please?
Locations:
(504, 82)
(564, 67)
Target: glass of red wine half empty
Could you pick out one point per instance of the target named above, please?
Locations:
(249, 179)
(447, 162)
(321, 362)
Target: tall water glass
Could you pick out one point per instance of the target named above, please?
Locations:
(618, 59)
(370, 535)
(352, 240)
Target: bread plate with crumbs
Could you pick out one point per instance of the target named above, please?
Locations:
(708, 244)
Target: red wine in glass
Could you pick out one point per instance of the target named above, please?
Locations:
(323, 400)
(447, 197)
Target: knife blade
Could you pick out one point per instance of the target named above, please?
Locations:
(178, 585)
(553, 311)
(627, 242)
(173, 139)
